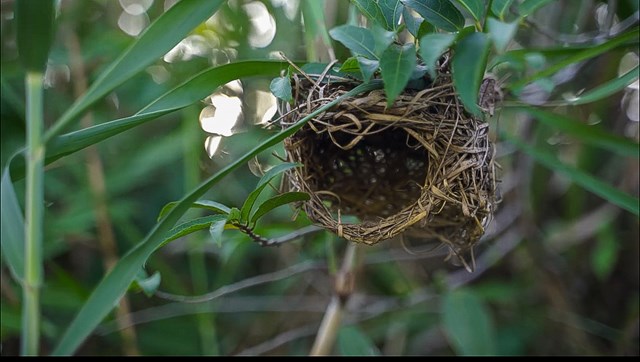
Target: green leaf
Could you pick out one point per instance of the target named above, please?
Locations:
(432, 46)
(274, 171)
(468, 324)
(474, 7)
(527, 7)
(188, 227)
(368, 67)
(279, 200)
(626, 38)
(382, 39)
(469, 63)
(440, 13)
(412, 22)
(501, 33)
(314, 27)
(581, 178)
(217, 228)
(353, 342)
(114, 285)
(359, 40)
(350, 65)
(281, 88)
(234, 215)
(191, 91)
(607, 89)
(35, 31)
(426, 28)
(12, 222)
(605, 253)
(588, 134)
(372, 11)
(396, 66)
(391, 10)
(162, 35)
(501, 7)
(214, 206)
(148, 284)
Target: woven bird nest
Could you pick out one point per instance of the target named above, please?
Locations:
(422, 165)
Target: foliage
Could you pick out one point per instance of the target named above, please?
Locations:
(555, 276)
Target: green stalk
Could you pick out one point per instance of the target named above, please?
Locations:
(34, 215)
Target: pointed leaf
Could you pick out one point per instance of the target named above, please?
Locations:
(469, 63)
(148, 284)
(396, 66)
(350, 65)
(474, 7)
(501, 33)
(35, 30)
(245, 211)
(217, 228)
(391, 10)
(189, 227)
(581, 178)
(162, 35)
(13, 237)
(412, 22)
(501, 8)
(607, 89)
(281, 88)
(216, 207)
(527, 7)
(115, 283)
(279, 200)
(234, 215)
(432, 46)
(372, 11)
(588, 134)
(353, 342)
(359, 40)
(440, 13)
(368, 67)
(467, 324)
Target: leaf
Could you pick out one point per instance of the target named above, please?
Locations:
(35, 31)
(214, 206)
(581, 178)
(631, 36)
(359, 40)
(391, 10)
(371, 10)
(440, 13)
(588, 134)
(12, 223)
(426, 28)
(350, 65)
(467, 324)
(314, 27)
(605, 253)
(469, 63)
(527, 7)
(352, 342)
(281, 88)
(217, 228)
(500, 7)
(607, 89)
(115, 283)
(148, 284)
(432, 46)
(412, 22)
(382, 39)
(192, 90)
(234, 215)
(164, 33)
(368, 67)
(274, 171)
(474, 7)
(501, 33)
(396, 66)
(188, 227)
(279, 200)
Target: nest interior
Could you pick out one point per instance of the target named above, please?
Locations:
(422, 166)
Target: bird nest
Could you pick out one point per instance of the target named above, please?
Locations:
(422, 164)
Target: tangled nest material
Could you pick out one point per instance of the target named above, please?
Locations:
(423, 165)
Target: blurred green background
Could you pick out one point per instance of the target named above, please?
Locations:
(557, 273)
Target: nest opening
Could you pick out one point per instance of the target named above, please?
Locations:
(421, 167)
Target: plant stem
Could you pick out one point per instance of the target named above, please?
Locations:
(34, 215)
(330, 324)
